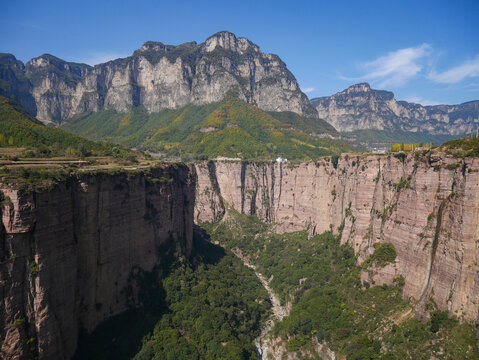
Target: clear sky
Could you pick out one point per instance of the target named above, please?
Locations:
(423, 51)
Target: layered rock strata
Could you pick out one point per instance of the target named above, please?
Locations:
(69, 255)
(359, 108)
(427, 207)
(156, 76)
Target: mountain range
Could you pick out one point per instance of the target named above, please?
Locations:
(158, 77)
(359, 108)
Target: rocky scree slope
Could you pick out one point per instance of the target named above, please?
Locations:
(156, 76)
(73, 256)
(359, 107)
(427, 208)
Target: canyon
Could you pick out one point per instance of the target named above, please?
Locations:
(143, 215)
(427, 207)
(74, 255)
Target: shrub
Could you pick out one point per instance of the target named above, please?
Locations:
(399, 281)
(400, 156)
(335, 161)
(19, 322)
(452, 166)
(384, 254)
(438, 319)
(34, 269)
(4, 200)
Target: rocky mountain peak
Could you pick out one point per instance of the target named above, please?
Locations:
(152, 45)
(358, 88)
(363, 90)
(229, 41)
(10, 59)
(44, 60)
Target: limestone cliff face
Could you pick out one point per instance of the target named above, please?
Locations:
(158, 77)
(69, 256)
(14, 84)
(359, 107)
(428, 208)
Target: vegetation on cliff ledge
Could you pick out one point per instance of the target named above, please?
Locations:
(464, 147)
(383, 254)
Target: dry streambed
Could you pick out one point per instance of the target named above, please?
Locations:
(279, 312)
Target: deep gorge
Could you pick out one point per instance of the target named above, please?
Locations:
(68, 253)
(427, 207)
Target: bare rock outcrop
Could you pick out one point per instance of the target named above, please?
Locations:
(427, 207)
(156, 76)
(359, 107)
(69, 255)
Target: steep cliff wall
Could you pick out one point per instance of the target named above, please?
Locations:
(359, 107)
(68, 255)
(428, 208)
(156, 76)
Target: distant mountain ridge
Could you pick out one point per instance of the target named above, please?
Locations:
(359, 108)
(159, 77)
(156, 76)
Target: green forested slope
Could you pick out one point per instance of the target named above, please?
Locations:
(19, 129)
(229, 128)
(463, 147)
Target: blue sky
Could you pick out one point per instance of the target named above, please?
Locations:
(423, 51)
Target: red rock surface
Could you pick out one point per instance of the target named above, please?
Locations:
(86, 236)
(428, 208)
